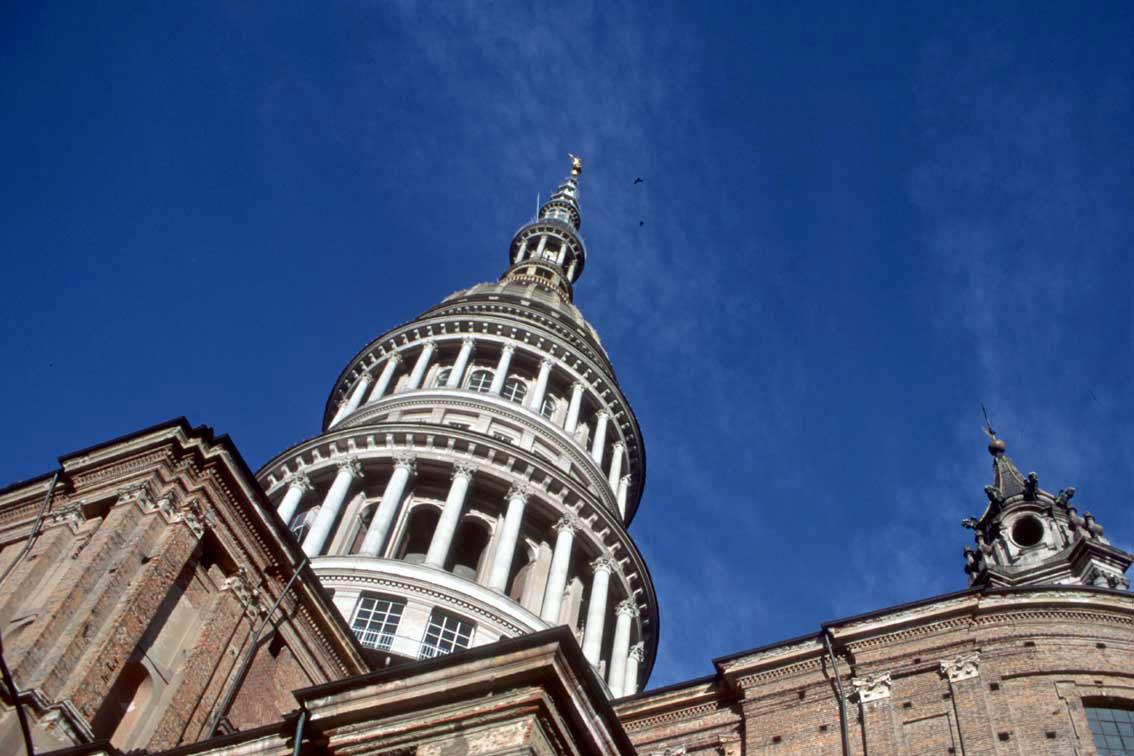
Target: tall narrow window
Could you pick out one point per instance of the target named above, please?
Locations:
(1112, 730)
(442, 376)
(480, 380)
(376, 621)
(547, 409)
(445, 634)
(515, 389)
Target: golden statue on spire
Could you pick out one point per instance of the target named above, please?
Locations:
(576, 164)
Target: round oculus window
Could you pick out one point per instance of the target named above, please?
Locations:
(1027, 531)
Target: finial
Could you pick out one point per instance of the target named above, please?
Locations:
(576, 164)
(996, 446)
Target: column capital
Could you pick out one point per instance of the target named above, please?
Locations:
(351, 465)
(508, 348)
(872, 687)
(299, 479)
(602, 414)
(626, 608)
(638, 652)
(394, 357)
(546, 362)
(961, 667)
(406, 461)
(468, 341)
(463, 470)
(578, 385)
(568, 522)
(428, 343)
(625, 480)
(519, 491)
(618, 446)
(605, 563)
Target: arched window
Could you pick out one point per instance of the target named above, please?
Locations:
(442, 376)
(419, 533)
(1112, 730)
(375, 621)
(480, 380)
(515, 389)
(547, 409)
(469, 546)
(445, 634)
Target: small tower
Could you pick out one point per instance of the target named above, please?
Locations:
(1027, 536)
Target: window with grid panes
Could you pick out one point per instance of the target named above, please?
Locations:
(445, 634)
(376, 620)
(480, 380)
(548, 407)
(442, 376)
(514, 390)
(1112, 730)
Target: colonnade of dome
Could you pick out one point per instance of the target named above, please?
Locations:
(475, 475)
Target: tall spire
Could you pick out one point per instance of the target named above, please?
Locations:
(548, 252)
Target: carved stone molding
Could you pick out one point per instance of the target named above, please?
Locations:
(352, 465)
(638, 652)
(406, 461)
(299, 480)
(519, 491)
(463, 470)
(568, 522)
(605, 563)
(872, 687)
(961, 667)
(626, 607)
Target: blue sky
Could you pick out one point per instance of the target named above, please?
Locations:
(860, 222)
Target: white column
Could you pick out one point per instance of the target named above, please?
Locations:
(633, 659)
(349, 469)
(297, 485)
(509, 534)
(596, 608)
(626, 612)
(599, 441)
(560, 564)
(615, 465)
(458, 371)
(450, 517)
(571, 269)
(573, 408)
(535, 401)
(539, 249)
(384, 379)
(421, 365)
(501, 374)
(623, 490)
(522, 251)
(404, 469)
(355, 399)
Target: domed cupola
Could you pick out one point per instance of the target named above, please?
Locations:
(476, 473)
(1028, 536)
(548, 253)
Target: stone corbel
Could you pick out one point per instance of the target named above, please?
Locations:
(961, 667)
(246, 593)
(874, 687)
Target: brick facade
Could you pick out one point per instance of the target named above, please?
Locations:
(154, 560)
(996, 672)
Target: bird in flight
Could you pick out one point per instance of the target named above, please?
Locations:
(641, 223)
(639, 180)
